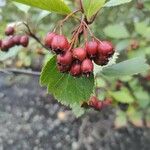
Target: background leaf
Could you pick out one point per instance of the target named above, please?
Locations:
(92, 6)
(117, 31)
(128, 67)
(66, 89)
(122, 96)
(57, 6)
(112, 3)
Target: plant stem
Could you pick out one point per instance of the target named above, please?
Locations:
(19, 71)
(34, 36)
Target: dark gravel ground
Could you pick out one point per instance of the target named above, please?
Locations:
(32, 120)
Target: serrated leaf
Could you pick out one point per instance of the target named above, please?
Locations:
(122, 96)
(57, 6)
(112, 3)
(126, 68)
(117, 31)
(66, 89)
(91, 7)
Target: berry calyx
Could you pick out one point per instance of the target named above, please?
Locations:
(75, 69)
(60, 44)
(63, 68)
(24, 41)
(64, 59)
(48, 39)
(101, 60)
(87, 67)
(105, 48)
(91, 48)
(9, 31)
(79, 54)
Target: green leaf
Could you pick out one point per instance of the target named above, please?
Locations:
(12, 53)
(135, 117)
(122, 96)
(77, 110)
(57, 6)
(22, 7)
(143, 29)
(121, 119)
(126, 68)
(66, 89)
(112, 3)
(117, 31)
(91, 7)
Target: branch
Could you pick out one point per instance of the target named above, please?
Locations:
(19, 71)
(34, 36)
(81, 6)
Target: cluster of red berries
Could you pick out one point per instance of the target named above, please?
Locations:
(99, 105)
(95, 103)
(13, 40)
(78, 61)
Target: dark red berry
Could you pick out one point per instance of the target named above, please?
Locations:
(48, 39)
(91, 48)
(5, 45)
(11, 42)
(65, 59)
(107, 102)
(60, 44)
(95, 103)
(17, 39)
(87, 67)
(9, 30)
(79, 54)
(63, 68)
(101, 60)
(75, 69)
(24, 41)
(105, 48)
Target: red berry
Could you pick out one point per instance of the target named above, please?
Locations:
(5, 45)
(17, 39)
(24, 41)
(79, 54)
(101, 60)
(91, 48)
(95, 103)
(107, 102)
(48, 39)
(60, 44)
(11, 42)
(87, 67)
(105, 48)
(9, 30)
(65, 59)
(63, 68)
(75, 69)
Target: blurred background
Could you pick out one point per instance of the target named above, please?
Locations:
(32, 120)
